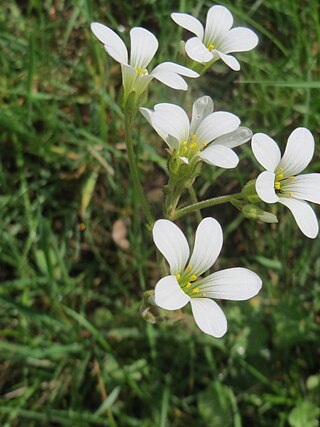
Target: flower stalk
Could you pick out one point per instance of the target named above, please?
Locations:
(205, 204)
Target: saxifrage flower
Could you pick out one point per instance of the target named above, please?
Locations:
(281, 182)
(217, 40)
(144, 45)
(210, 136)
(185, 284)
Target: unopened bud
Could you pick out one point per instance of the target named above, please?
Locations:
(254, 212)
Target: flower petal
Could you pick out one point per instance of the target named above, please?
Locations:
(207, 246)
(238, 40)
(175, 68)
(298, 153)
(112, 42)
(235, 284)
(172, 120)
(188, 22)
(202, 107)
(129, 76)
(219, 21)
(215, 125)
(148, 115)
(229, 60)
(143, 47)
(209, 317)
(304, 187)
(169, 295)
(172, 243)
(171, 79)
(197, 51)
(218, 155)
(266, 151)
(304, 215)
(235, 138)
(265, 187)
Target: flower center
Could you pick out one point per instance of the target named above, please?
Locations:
(281, 181)
(191, 147)
(142, 72)
(188, 283)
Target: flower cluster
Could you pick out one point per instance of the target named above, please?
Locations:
(209, 136)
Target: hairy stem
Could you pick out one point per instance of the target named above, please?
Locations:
(205, 204)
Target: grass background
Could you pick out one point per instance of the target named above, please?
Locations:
(74, 350)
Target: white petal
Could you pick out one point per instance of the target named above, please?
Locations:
(215, 125)
(218, 155)
(304, 187)
(143, 47)
(207, 246)
(170, 79)
(148, 115)
(202, 107)
(169, 295)
(172, 243)
(172, 120)
(235, 138)
(266, 151)
(238, 40)
(265, 187)
(175, 68)
(112, 42)
(209, 317)
(197, 51)
(188, 22)
(235, 284)
(129, 76)
(229, 60)
(298, 153)
(219, 21)
(304, 216)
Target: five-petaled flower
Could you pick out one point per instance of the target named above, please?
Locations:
(279, 182)
(217, 40)
(144, 45)
(210, 136)
(185, 284)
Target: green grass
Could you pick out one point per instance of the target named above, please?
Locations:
(74, 350)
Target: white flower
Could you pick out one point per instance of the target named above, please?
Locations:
(279, 183)
(220, 129)
(184, 283)
(143, 48)
(217, 40)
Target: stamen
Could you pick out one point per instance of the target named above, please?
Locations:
(279, 176)
(211, 47)
(291, 194)
(203, 295)
(291, 177)
(178, 276)
(184, 143)
(195, 290)
(204, 144)
(193, 137)
(189, 267)
(277, 185)
(193, 278)
(188, 285)
(192, 146)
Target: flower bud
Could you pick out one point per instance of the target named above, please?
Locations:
(254, 212)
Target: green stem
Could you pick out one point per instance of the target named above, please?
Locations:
(194, 200)
(205, 204)
(134, 169)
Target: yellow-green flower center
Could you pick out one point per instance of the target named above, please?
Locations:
(280, 181)
(191, 147)
(188, 283)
